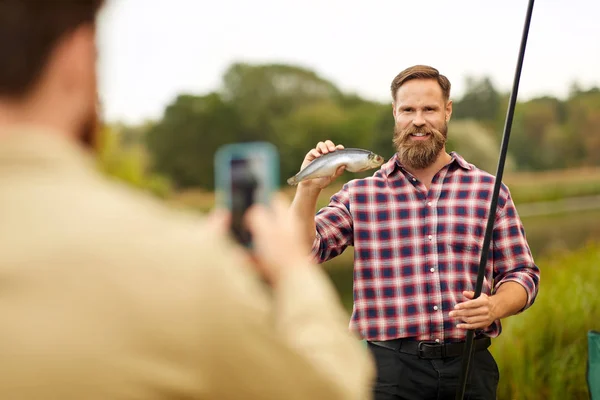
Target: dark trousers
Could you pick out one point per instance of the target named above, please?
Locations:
(403, 376)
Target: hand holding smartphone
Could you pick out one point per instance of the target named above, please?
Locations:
(245, 174)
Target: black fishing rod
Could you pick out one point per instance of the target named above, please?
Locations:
(494, 202)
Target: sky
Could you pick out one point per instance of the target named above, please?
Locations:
(153, 50)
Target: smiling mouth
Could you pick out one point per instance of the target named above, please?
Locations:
(419, 134)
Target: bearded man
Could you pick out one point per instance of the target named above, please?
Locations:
(417, 227)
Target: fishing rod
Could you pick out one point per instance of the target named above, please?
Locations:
(494, 202)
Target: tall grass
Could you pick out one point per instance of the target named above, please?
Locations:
(542, 353)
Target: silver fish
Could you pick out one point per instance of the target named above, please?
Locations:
(355, 160)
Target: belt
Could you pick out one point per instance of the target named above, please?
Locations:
(430, 349)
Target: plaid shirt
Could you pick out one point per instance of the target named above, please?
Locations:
(416, 250)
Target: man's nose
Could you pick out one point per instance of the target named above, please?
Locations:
(418, 120)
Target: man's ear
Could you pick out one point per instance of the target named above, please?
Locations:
(394, 110)
(448, 110)
(76, 56)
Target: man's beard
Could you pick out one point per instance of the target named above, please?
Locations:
(419, 154)
(89, 131)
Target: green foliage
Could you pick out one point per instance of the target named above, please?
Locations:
(294, 108)
(542, 353)
(128, 164)
(303, 129)
(262, 94)
(255, 103)
(183, 143)
(480, 101)
(477, 144)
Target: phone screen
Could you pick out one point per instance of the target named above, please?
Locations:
(246, 174)
(245, 187)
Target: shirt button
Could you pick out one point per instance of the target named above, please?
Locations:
(430, 237)
(429, 204)
(432, 269)
(414, 179)
(437, 340)
(435, 308)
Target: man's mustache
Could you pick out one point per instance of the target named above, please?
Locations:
(404, 134)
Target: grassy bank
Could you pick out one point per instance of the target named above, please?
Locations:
(542, 353)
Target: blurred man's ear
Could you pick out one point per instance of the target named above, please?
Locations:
(75, 58)
(72, 82)
(448, 110)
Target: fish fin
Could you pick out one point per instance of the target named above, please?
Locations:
(292, 181)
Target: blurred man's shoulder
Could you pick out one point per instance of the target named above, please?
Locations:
(144, 234)
(57, 190)
(129, 209)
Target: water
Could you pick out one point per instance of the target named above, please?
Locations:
(562, 232)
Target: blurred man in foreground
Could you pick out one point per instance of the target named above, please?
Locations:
(107, 294)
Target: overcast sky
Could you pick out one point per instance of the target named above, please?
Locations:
(152, 50)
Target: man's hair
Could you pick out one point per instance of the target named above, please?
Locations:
(420, 72)
(29, 31)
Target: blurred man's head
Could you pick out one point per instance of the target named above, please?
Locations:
(422, 108)
(48, 65)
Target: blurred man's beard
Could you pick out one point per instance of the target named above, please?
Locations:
(89, 131)
(419, 154)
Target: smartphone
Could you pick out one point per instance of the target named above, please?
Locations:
(245, 174)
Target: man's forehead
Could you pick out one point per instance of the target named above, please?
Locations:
(419, 91)
(420, 87)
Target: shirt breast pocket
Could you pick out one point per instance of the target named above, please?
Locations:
(464, 246)
(463, 252)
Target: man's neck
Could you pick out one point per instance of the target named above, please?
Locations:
(20, 114)
(425, 175)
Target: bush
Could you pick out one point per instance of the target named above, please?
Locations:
(542, 353)
(128, 164)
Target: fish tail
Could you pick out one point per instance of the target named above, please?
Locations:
(292, 181)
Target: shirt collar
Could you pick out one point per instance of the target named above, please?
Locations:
(394, 163)
(460, 161)
(43, 147)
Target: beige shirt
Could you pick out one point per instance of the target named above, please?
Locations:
(106, 293)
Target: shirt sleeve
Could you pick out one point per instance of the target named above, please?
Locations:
(292, 344)
(334, 227)
(513, 261)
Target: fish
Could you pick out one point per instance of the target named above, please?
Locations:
(355, 160)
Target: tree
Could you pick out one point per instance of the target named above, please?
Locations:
(480, 101)
(262, 94)
(300, 131)
(583, 126)
(477, 144)
(294, 108)
(184, 142)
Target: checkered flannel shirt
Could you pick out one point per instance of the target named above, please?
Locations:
(416, 250)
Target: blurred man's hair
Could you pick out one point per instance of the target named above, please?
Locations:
(420, 72)
(29, 31)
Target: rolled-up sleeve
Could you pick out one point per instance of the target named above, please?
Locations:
(334, 227)
(513, 261)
